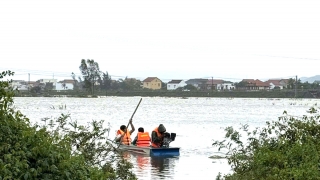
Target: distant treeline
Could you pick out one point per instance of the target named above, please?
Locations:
(174, 93)
(97, 83)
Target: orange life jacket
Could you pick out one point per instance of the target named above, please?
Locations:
(126, 139)
(159, 136)
(143, 139)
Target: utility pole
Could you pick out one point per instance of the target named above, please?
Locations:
(28, 81)
(93, 87)
(295, 92)
(212, 84)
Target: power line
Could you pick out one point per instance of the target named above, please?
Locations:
(49, 73)
(287, 57)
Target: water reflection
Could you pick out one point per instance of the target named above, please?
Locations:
(159, 167)
(207, 117)
(160, 163)
(163, 167)
(142, 161)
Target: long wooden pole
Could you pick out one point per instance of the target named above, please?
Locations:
(134, 112)
(130, 120)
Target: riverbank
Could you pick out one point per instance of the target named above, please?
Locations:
(182, 94)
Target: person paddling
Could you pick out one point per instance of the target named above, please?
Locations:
(123, 135)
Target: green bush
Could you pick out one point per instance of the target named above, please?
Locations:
(61, 150)
(288, 148)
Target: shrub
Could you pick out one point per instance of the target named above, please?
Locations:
(61, 150)
(285, 149)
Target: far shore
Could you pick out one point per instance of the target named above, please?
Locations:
(181, 94)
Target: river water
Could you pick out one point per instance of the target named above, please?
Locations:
(196, 121)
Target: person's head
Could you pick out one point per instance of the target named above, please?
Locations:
(161, 129)
(140, 129)
(123, 127)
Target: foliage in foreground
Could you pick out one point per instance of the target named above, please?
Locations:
(285, 149)
(62, 150)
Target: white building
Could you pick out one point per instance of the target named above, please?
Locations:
(227, 86)
(64, 86)
(175, 84)
(277, 83)
(19, 84)
(219, 84)
(54, 81)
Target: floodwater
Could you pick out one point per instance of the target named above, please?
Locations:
(196, 121)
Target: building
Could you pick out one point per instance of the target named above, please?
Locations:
(64, 86)
(198, 83)
(277, 83)
(44, 81)
(254, 85)
(227, 85)
(152, 83)
(19, 84)
(219, 84)
(215, 84)
(175, 84)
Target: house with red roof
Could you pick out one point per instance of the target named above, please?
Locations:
(277, 83)
(152, 83)
(254, 85)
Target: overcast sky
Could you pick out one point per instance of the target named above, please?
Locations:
(169, 39)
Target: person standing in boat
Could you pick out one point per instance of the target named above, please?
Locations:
(123, 135)
(157, 136)
(142, 139)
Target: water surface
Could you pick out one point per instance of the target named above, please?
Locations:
(196, 121)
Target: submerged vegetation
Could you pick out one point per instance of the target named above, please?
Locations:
(62, 149)
(288, 148)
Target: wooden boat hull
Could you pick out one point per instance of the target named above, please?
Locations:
(151, 151)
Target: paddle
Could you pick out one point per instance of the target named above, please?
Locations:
(130, 120)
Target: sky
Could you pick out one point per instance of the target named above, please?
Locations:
(168, 39)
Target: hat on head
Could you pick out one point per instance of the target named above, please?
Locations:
(161, 128)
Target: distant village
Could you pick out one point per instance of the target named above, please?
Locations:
(155, 83)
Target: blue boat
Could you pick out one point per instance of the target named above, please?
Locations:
(151, 151)
(165, 150)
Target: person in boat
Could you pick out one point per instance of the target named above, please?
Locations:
(142, 139)
(157, 136)
(123, 135)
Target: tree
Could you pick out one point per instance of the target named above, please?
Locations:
(307, 85)
(49, 86)
(315, 85)
(129, 84)
(64, 85)
(115, 85)
(163, 86)
(90, 72)
(36, 89)
(241, 84)
(105, 82)
(190, 87)
(291, 83)
(75, 82)
(122, 84)
(288, 148)
(61, 150)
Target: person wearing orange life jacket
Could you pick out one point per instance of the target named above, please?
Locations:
(142, 139)
(157, 136)
(123, 135)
